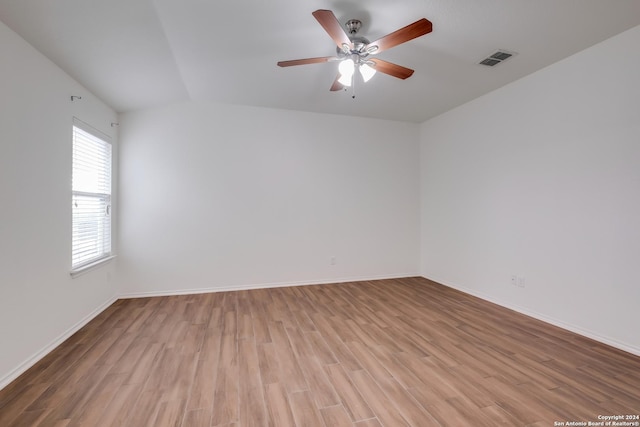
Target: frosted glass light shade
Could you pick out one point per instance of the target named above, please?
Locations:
(344, 80)
(346, 69)
(367, 72)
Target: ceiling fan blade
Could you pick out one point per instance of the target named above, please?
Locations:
(306, 61)
(336, 86)
(410, 32)
(330, 23)
(391, 69)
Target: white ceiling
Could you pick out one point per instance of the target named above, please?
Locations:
(137, 54)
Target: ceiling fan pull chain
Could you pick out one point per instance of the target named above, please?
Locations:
(353, 86)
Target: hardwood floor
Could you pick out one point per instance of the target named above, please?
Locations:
(367, 354)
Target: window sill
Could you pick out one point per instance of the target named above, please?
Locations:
(86, 268)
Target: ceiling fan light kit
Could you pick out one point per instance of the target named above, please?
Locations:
(353, 51)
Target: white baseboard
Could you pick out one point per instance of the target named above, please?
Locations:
(7, 379)
(552, 321)
(259, 286)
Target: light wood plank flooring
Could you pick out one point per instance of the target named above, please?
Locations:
(367, 354)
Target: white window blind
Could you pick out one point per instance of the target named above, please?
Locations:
(91, 194)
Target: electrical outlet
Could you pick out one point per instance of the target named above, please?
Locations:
(332, 261)
(517, 280)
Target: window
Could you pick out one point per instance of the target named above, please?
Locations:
(91, 196)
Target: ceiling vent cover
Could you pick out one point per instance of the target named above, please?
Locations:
(497, 57)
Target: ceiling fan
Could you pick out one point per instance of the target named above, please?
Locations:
(354, 51)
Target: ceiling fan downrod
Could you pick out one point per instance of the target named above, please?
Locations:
(353, 25)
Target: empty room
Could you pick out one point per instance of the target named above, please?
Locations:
(353, 213)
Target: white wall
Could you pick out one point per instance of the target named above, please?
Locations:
(222, 197)
(541, 179)
(39, 303)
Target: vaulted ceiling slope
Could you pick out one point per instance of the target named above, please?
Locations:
(137, 54)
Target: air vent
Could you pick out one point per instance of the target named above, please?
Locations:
(490, 62)
(496, 58)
